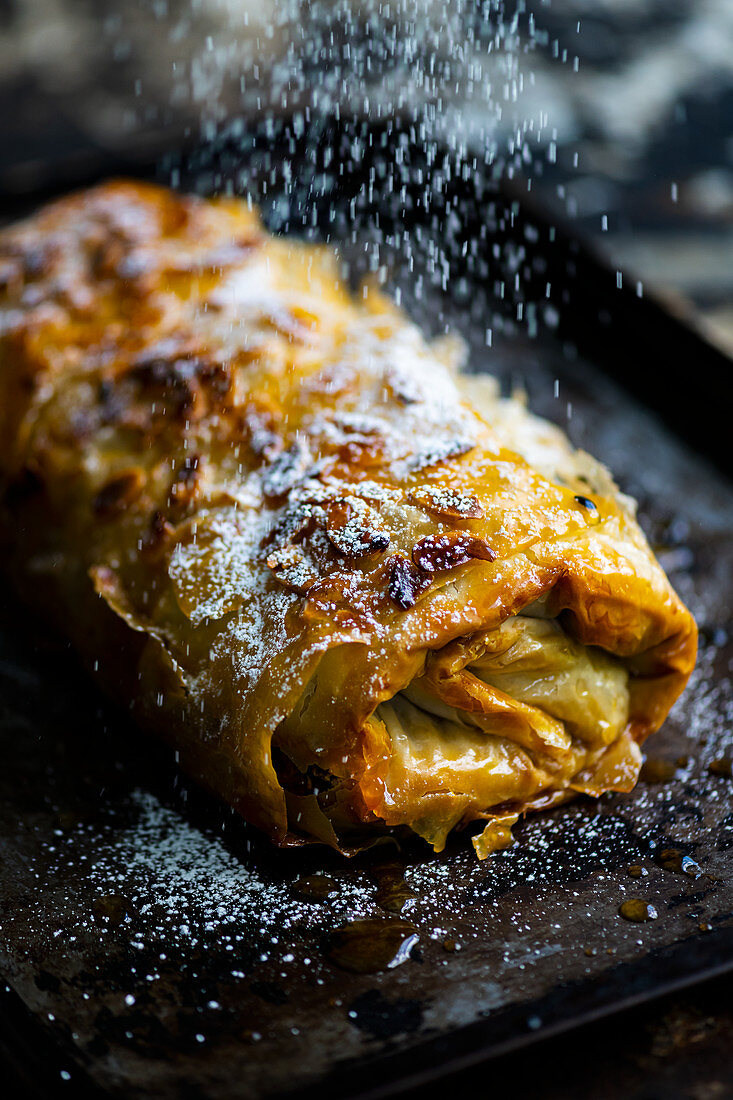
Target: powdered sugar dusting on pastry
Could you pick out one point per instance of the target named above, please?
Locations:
(284, 489)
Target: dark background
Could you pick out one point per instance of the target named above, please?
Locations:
(636, 146)
(636, 150)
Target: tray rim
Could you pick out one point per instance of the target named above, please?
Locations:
(482, 1048)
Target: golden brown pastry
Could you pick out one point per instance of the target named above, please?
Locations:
(356, 590)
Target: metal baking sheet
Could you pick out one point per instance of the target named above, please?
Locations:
(153, 946)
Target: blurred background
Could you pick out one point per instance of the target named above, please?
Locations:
(615, 116)
(617, 113)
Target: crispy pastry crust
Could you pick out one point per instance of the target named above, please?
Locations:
(265, 507)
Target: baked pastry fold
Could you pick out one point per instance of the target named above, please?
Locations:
(358, 591)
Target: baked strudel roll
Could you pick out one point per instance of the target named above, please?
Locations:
(355, 589)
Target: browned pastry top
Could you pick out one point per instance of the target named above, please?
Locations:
(301, 509)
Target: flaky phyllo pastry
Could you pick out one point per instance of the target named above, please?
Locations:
(357, 591)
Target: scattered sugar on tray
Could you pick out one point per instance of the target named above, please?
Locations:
(163, 861)
(187, 885)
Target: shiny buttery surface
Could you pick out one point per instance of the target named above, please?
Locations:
(300, 509)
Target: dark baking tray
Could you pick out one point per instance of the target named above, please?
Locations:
(153, 946)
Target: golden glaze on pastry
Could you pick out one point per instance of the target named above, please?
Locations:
(355, 589)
